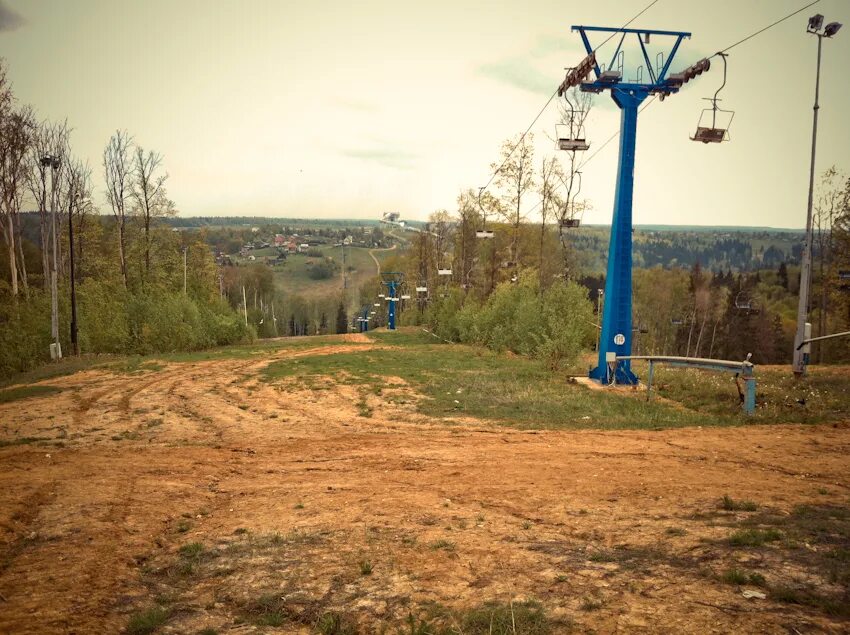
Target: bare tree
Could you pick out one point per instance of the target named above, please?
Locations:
(573, 113)
(118, 175)
(76, 200)
(149, 194)
(551, 175)
(515, 175)
(826, 209)
(468, 222)
(16, 130)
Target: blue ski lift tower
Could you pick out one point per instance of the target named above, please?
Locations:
(392, 280)
(652, 79)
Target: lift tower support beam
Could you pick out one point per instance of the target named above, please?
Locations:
(616, 337)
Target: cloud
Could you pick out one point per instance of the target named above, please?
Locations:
(9, 19)
(387, 157)
(519, 73)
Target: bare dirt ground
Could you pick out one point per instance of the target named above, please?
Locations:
(292, 494)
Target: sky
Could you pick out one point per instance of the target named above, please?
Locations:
(349, 110)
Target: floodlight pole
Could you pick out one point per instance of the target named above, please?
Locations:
(616, 334)
(801, 352)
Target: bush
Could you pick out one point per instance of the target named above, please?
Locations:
(554, 325)
(114, 320)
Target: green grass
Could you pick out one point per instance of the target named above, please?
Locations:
(294, 277)
(26, 392)
(754, 537)
(730, 504)
(527, 617)
(738, 577)
(22, 441)
(147, 621)
(456, 380)
(825, 390)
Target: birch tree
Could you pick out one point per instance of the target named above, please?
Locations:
(118, 175)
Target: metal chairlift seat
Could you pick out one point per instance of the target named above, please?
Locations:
(610, 77)
(710, 135)
(484, 233)
(573, 145)
(405, 297)
(713, 126)
(377, 304)
(571, 136)
(421, 289)
(570, 222)
(444, 272)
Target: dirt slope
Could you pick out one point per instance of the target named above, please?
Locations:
(291, 491)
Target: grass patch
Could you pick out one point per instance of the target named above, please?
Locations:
(730, 504)
(823, 392)
(754, 537)
(147, 621)
(22, 441)
(442, 545)
(805, 596)
(332, 623)
(472, 381)
(267, 610)
(26, 392)
(738, 577)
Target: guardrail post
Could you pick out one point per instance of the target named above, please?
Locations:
(750, 395)
(649, 380)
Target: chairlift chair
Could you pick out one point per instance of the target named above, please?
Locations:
(483, 232)
(745, 303)
(570, 222)
(571, 135)
(444, 272)
(714, 122)
(422, 289)
(405, 296)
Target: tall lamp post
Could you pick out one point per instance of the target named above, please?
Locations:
(801, 353)
(53, 162)
(75, 345)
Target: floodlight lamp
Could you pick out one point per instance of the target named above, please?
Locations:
(815, 23)
(831, 29)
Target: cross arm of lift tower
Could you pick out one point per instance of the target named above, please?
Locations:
(659, 82)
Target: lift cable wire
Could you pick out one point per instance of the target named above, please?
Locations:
(728, 48)
(769, 26)
(549, 101)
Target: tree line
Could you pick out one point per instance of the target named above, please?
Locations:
(134, 292)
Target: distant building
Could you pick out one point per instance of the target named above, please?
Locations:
(279, 240)
(254, 230)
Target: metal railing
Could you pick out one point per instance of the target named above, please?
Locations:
(745, 369)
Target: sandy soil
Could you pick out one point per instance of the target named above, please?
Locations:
(138, 465)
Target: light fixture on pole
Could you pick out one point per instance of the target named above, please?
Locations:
(801, 351)
(53, 162)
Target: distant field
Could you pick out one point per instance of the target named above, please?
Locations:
(294, 276)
